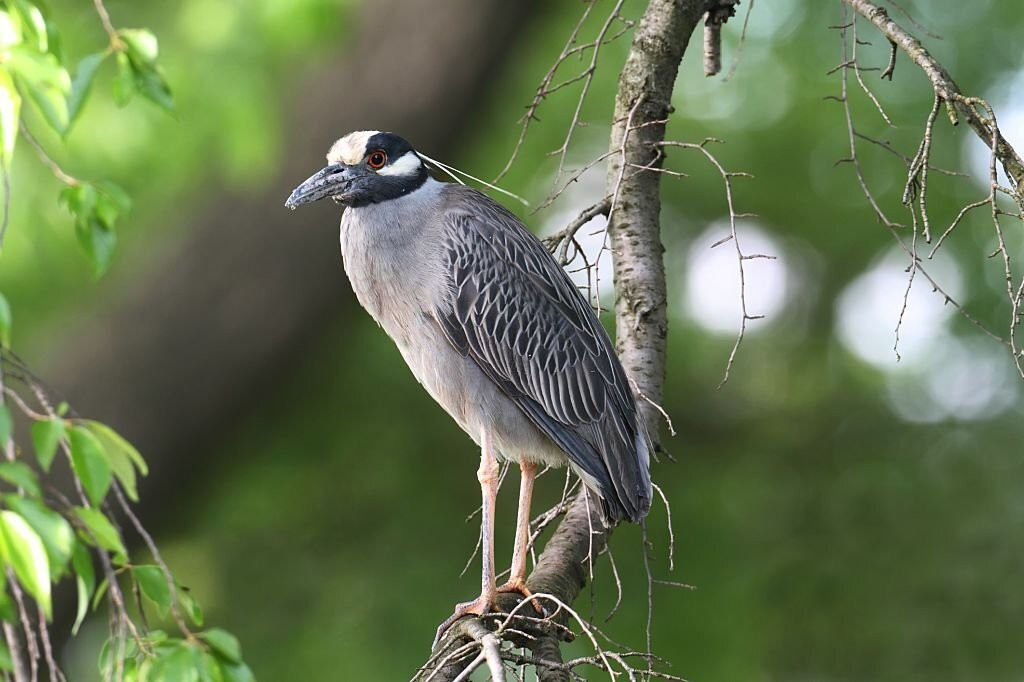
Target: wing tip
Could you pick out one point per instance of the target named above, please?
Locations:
(632, 501)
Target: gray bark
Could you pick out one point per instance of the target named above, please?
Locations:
(642, 104)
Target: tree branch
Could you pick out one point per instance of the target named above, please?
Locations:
(641, 324)
(946, 89)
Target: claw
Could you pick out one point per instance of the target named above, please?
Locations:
(480, 606)
(519, 587)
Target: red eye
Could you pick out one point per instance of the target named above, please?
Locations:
(377, 159)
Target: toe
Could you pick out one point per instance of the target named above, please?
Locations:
(478, 607)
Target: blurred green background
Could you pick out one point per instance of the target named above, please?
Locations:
(842, 515)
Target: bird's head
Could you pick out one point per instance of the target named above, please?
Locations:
(364, 167)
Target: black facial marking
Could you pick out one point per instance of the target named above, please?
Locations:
(385, 187)
(392, 144)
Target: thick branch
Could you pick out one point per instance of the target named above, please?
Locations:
(642, 106)
(945, 88)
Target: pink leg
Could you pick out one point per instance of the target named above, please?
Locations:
(517, 577)
(487, 474)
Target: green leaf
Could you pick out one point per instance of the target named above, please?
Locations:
(138, 71)
(5, 321)
(7, 611)
(142, 44)
(10, 30)
(46, 437)
(33, 25)
(96, 208)
(111, 203)
(103, 533)
(99, 242)
(101, 590)
(123, 83)
(90, 463)
(16, 473)
(174, 663)
(85, 581)
(154, 585)
(39, 68)
(150, 83)
(189, 603)
(24, 552)
(56, 533)
(123, 456)
(53, 40)
(237, 672)
(85, 72)
(116, 650)
(45, 81)
(208, 667)
(155, 636)
(223, 643)
(80, 199)
(6, 425)
(10, 111)
(94, 217)
(50, 102)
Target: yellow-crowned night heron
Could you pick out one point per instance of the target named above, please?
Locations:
(492, 327)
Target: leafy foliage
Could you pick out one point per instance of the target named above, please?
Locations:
(45, 536)
(34, 70)
(42, 542)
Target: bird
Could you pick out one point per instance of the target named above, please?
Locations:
(493, 328)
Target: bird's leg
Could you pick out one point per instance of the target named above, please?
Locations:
(487, 474)
(517, 578)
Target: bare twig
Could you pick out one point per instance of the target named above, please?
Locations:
(567, 235)
(946, 88)
(982, 119)
(741, 256)
(108, 25)
(47, 160)
(547, 87)
(14, 646)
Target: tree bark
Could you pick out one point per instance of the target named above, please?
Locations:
(642, 106)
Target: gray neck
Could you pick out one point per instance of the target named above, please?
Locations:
(394, 221)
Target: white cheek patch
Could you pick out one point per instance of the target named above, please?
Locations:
(351, 148)
(407, 164)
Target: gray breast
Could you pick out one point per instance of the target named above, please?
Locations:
(394, 255)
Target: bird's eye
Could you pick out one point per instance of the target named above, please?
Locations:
(377, 159)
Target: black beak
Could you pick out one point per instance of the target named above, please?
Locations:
(333, 181)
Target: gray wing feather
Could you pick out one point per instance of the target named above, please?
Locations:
(521, 319)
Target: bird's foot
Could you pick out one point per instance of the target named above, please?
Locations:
(518, 585)
(480, 606)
